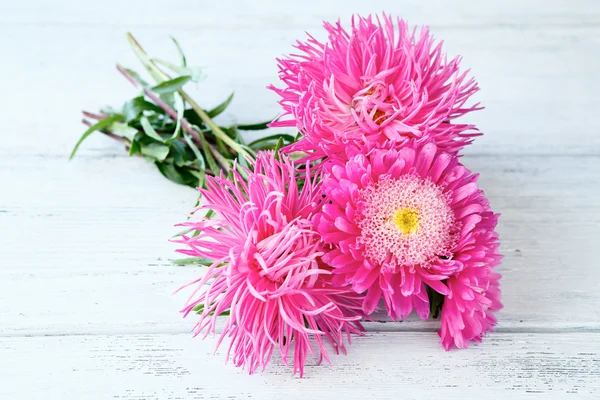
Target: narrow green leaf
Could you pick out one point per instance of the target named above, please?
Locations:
(155, 150)
(149, 130)
(193, 260)
(188, 139)
(220, 108)
(96, 127)
(237, 136)
(212, 164)
(180, 108)
(195, 73)
(198, 162)
(221, 159)
(136, 76)
(287, 138)
(261, 126)
(200, 175)
(210, 213)
(180, 51)
(222, 148)
(277, 148)
(172, 85)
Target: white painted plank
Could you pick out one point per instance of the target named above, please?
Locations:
(84, 244)
(378, 366)
(308, 13)
(535, 61)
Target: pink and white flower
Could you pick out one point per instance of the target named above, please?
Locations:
(376, 86)
(267, 269)
(399, 221)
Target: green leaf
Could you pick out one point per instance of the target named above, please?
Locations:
(210, 213)
(254, 127)
(180, 153)
(170, 172)
(136, 76)
(172, 85)
(199, 309)
(168, 98)
(177, 175)
(221, 147)
(180, 51)
(237, 136)
(220, 108)
(195, 73)
(135, 148)
(279, 146)
(193, 118)
(287, 138)
(221, 159)
(436, 301)
(201, 175)
(198, 162)
(155, 150)
(136, 106)
(149, 130)
(180, 108)
(242, 161)
(194, 260)
(212, 164)
(188, 139)
(124, 130)
(96, 127)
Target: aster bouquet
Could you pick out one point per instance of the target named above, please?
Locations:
(369, 208)
(167, 127)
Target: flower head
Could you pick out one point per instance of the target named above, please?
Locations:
(267, 268)
(376, 86)
(399, 221)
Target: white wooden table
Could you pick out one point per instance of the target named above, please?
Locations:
(86, 310)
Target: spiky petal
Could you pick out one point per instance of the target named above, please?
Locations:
(267, 269)
(376, 86)
(399, 221)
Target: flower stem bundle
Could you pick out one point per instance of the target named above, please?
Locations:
(166, 126)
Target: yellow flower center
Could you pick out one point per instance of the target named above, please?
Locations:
(407, 220)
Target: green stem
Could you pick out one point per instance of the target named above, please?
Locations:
(185, 125)
(149, 63)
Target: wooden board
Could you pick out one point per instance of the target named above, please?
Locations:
(115, 219)
(86, 310)
(380, 366)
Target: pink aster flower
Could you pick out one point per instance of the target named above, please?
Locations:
(376, 86)
(399, 221)
(267, 270)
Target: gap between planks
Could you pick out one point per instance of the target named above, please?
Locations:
(370, 327)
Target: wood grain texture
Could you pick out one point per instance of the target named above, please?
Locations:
(86, 310)
(165, 367)
(536, 62)
(117, 214)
